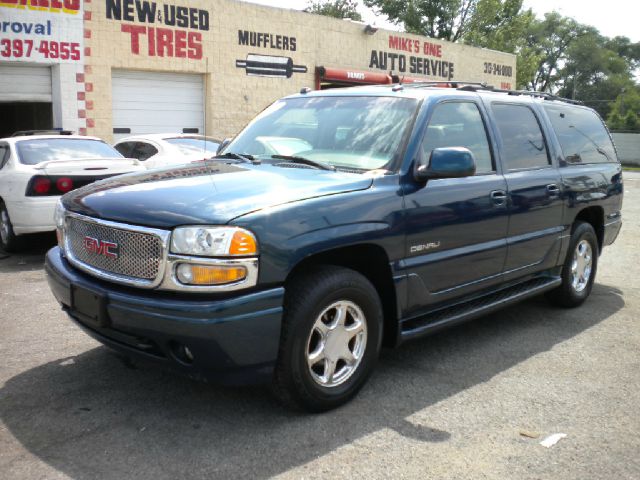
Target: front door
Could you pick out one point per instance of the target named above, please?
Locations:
(456, 228)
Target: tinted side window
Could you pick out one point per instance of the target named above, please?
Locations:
(143, 151)
(523, 144)
(125, 148)
(459, 124)
(582, 135)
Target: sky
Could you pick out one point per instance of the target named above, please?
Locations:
(619, 17)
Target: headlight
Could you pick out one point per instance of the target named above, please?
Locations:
(58, 218)
(213, 241)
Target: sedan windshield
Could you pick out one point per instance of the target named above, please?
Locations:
(38, 150)
(363, 133)
(195, 145)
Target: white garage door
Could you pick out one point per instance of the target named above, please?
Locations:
(25, 83)
(150, 102)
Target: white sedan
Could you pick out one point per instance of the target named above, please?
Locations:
(36, 170)
(165, 149)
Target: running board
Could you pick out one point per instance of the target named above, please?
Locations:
(476, 307)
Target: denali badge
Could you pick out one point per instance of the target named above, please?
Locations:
(101, 247)
(424, 246)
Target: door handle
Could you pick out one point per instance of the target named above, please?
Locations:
(499, 197)
(553, 190)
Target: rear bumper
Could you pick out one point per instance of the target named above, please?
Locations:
(33, 215)
(232, 340)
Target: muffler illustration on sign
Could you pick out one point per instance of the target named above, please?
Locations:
(270, 66)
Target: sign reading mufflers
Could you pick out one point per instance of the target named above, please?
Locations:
(47, 31)
(164, 38)
(274, 66)
(427, 61)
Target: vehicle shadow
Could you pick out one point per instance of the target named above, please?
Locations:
(31, 254)
(93, 416)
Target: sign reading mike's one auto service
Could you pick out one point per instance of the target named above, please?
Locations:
(44, 31)
(160, 30)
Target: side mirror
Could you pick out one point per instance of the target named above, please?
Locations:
(449, 162)
(223, 145)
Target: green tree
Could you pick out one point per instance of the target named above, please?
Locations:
(625, 111)
(446, 19)
(335, 8)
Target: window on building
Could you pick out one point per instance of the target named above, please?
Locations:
(459, 124)
(523, 144)
(582, 135)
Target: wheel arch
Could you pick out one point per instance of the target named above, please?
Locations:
(594, 216)
(370, 260)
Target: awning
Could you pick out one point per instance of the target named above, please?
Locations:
(362, 77)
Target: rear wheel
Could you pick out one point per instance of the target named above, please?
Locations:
(8, 239)
(331, 336)
(579, 269)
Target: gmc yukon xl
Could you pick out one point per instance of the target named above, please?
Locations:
(337, 222)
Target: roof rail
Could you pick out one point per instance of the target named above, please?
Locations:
(50, 131)
(476, 86)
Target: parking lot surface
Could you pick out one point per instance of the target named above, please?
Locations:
(472, 402)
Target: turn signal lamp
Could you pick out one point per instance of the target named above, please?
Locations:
(192, 274)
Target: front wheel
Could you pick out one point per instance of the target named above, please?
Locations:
(579, 269)
(331, 337)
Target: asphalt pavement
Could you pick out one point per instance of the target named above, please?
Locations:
(472, 402)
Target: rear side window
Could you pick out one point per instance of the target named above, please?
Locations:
(143, 151)
(4, 155)
(459, 124)
(582, 135)
(125, 148)
(523, 144)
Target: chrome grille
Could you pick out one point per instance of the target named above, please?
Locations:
(140, 255)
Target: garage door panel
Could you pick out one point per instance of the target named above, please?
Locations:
(25, 83)
(152, 102)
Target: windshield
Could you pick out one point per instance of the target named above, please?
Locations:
(194, 145)
(350, 132)
(37, 150)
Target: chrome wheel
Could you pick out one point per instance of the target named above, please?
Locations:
(5, 226)
(337, 343)
(581, 266)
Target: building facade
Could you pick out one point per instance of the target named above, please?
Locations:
(116, 67)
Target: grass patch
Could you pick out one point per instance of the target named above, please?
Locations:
(630, 168)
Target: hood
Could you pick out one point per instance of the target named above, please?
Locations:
(205, 194)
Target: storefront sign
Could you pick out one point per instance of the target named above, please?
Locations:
(158, 40)
(44, 31)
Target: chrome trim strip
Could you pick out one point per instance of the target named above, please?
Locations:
(162, 235)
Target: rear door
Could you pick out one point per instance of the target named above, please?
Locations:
(456, 228)
(535, 189)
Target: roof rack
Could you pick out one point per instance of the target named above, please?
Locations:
(476, 86)
(50, 131)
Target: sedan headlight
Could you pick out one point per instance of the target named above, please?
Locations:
(213, 241)
(58, 218)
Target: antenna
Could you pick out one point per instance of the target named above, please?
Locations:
(204, 108)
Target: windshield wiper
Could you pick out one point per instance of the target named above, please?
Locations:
(244, 157)
(305, 161)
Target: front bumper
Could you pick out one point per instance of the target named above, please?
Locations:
(231, 340)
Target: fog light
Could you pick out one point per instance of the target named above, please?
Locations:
(189, 274)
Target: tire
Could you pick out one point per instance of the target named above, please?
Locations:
(313, 338)
(8, 239)
(582, 256)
